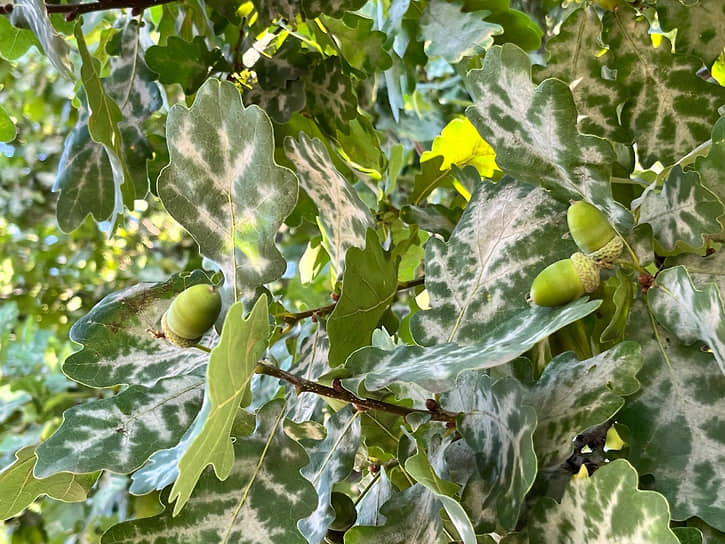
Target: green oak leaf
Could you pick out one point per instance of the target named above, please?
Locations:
(712, 166)
(436, 368)
(103, 127)
(14, 42)
(343, 218)
(7, 127)
(710, 535)
(689, 313)
(307, 9)
(368, 508)
(20, 487)
(572, 396)
(231, 368)
(331, 461)
(702, 270)
(476, 280)
(85, 176)
(574, 56)
(670, 109)
(497, 450)
(311, 364)
(683, 212)
(688, 535)
(331, 97)
(519, 27)
(410, 516)
(432, 174)
(33, 15)
(362, 47)
(699, 26)
(279, 103)
(369, 285)
(223, 185)
(256, 504)
(449, 32)
(185, 63)
(117, 339)
(421, 469)
(606, 507)
(682, 446)
(120, 433)
(535, 136)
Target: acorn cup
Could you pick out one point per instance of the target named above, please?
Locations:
(565, 281)
(191, 314)
(593, 233)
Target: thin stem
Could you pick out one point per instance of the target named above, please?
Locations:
(306, 386)
(74, 10)
(203, 348)
(294, 317)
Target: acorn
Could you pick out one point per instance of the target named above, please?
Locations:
(565, 280)
(191, 314)
(593, 233)
(345, 513)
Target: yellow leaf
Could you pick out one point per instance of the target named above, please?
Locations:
(461, 144)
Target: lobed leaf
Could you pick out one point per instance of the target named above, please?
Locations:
(699, 26)
(223, 185)
(479, 278)
(20, 487)
(607, 507)
(498, 451)
(256, 504)
(436, 368)
(533, 131)
(231, 368)
(120, 433)
(572, 396)
(343, 217)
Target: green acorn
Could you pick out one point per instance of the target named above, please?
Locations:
(592, 232)
(191, 314)
(345, 513)
(565, 280)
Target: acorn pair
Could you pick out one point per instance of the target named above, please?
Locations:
(568, 279)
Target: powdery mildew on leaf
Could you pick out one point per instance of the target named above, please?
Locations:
(330, 96)
(257, 503)
(481, 276)
(670, 109)
(572, 396)
(575, 57)
(21, 488)
(498, 432)
(699, 26)
(436, 368)
(689, 313)
(231, 368)
(343, 217)
(119, 346)
(533, 131)
(223, 185)
(312, 364)
(453, 34)
(331, 461)
(32, 13)
(120, 433)
(684, 211)
(683, 445)
(607, 507)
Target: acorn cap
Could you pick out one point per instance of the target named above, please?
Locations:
(586, 270)
(609, 252)
(589, 227)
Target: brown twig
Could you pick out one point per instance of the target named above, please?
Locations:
(306, 386)
(294, 317)
(74, 10)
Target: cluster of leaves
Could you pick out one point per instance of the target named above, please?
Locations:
(412, 159)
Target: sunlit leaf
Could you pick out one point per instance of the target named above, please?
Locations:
(460, 144)
(7, 127)
(533, 131)
(256, 504)
(224, 187)
(361, 46)
(231, 367)
(21, 488)
(32, 14)
(121, 432)
(607, 507)
(481, 276)
(14, 42)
